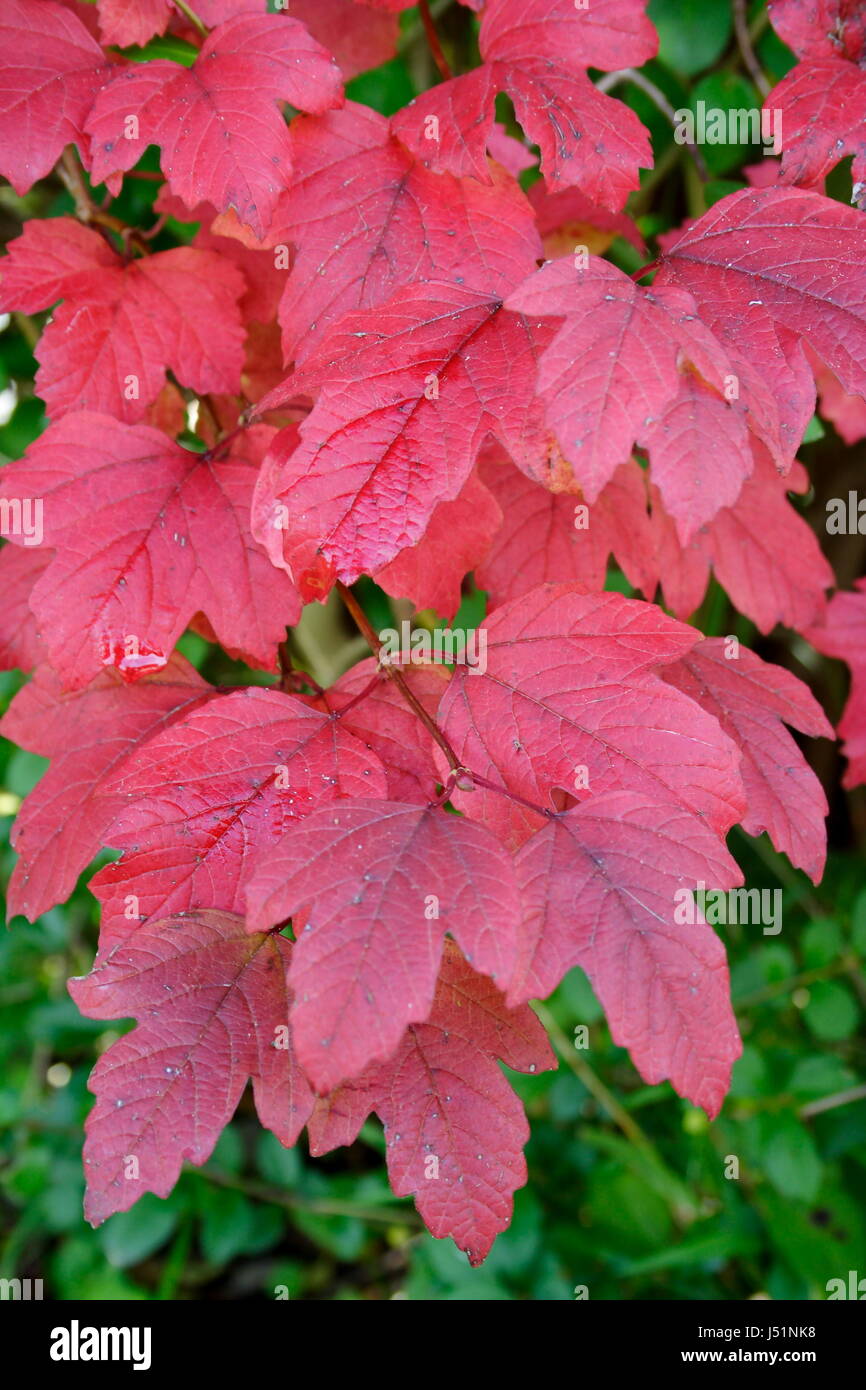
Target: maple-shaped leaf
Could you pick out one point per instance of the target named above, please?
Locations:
(569, 698)
(458, 537)
(209, 794)
(20, 568)
(602, 885)
(372, 887)
(823, 108)
(212, 1004)
(366, 218)
(633, 366)
(547, 537)
(222, 137)
(388, 725)
(763, 553)
(407, 393)
(846, 413)
(123, 24)
(744, 263)
(843, 635)
(454, 1128)
(753, 701)
(146, 534)
(87, 734)
(121, 324)
(568, 219)
(51, 69)
(821, 28)
(358, 39)
(538, 51)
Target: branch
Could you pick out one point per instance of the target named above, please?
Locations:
(72, 175)
(746, 47)
(193, 18)
(396, 675)
(433, 40)
(658, 98)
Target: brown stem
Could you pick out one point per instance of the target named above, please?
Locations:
(657, 96)
(512, 796)
(86, 210)
(396, 675)
(744, 43)
(645, 270)
(193, 18)
(361, 695)
(433, 40)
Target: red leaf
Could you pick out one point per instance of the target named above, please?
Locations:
(121, 325)
(823, 109)
(763, 553)
(821, 28)
(368, 964)
(20, 568)
(459, 535)
(569, 219)
(570, 699)
(50, 73)
(844, 636)
(406, 395)
(358, 39)
(538, 51)
(386, 724)
(753, 701)
(123, 504)
(222, 138)
(455, 1129)
(123, 24)
(546, 537)
(212, 1006)
(367, 219)
(601, 885)
(743, 262)
(88, 735)
(629, 366)
(209, 794)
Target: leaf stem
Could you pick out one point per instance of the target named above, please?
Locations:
(433, 41)
(396, 675)
(746, 47)
(195, 20)
(72, 175)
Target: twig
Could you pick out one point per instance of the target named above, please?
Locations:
(594, 1084)
(746, 47)
(817, 1107)
(433, 41)
(86, 210)
(658, 98)
(396, 675)
(195, 20)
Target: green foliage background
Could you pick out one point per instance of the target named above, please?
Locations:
(627, 1191)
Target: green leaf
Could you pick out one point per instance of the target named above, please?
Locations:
(821, 943)
(131, 1236)
(832, 1012)
(692, 33)
(164, 46)
(790, 1159)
